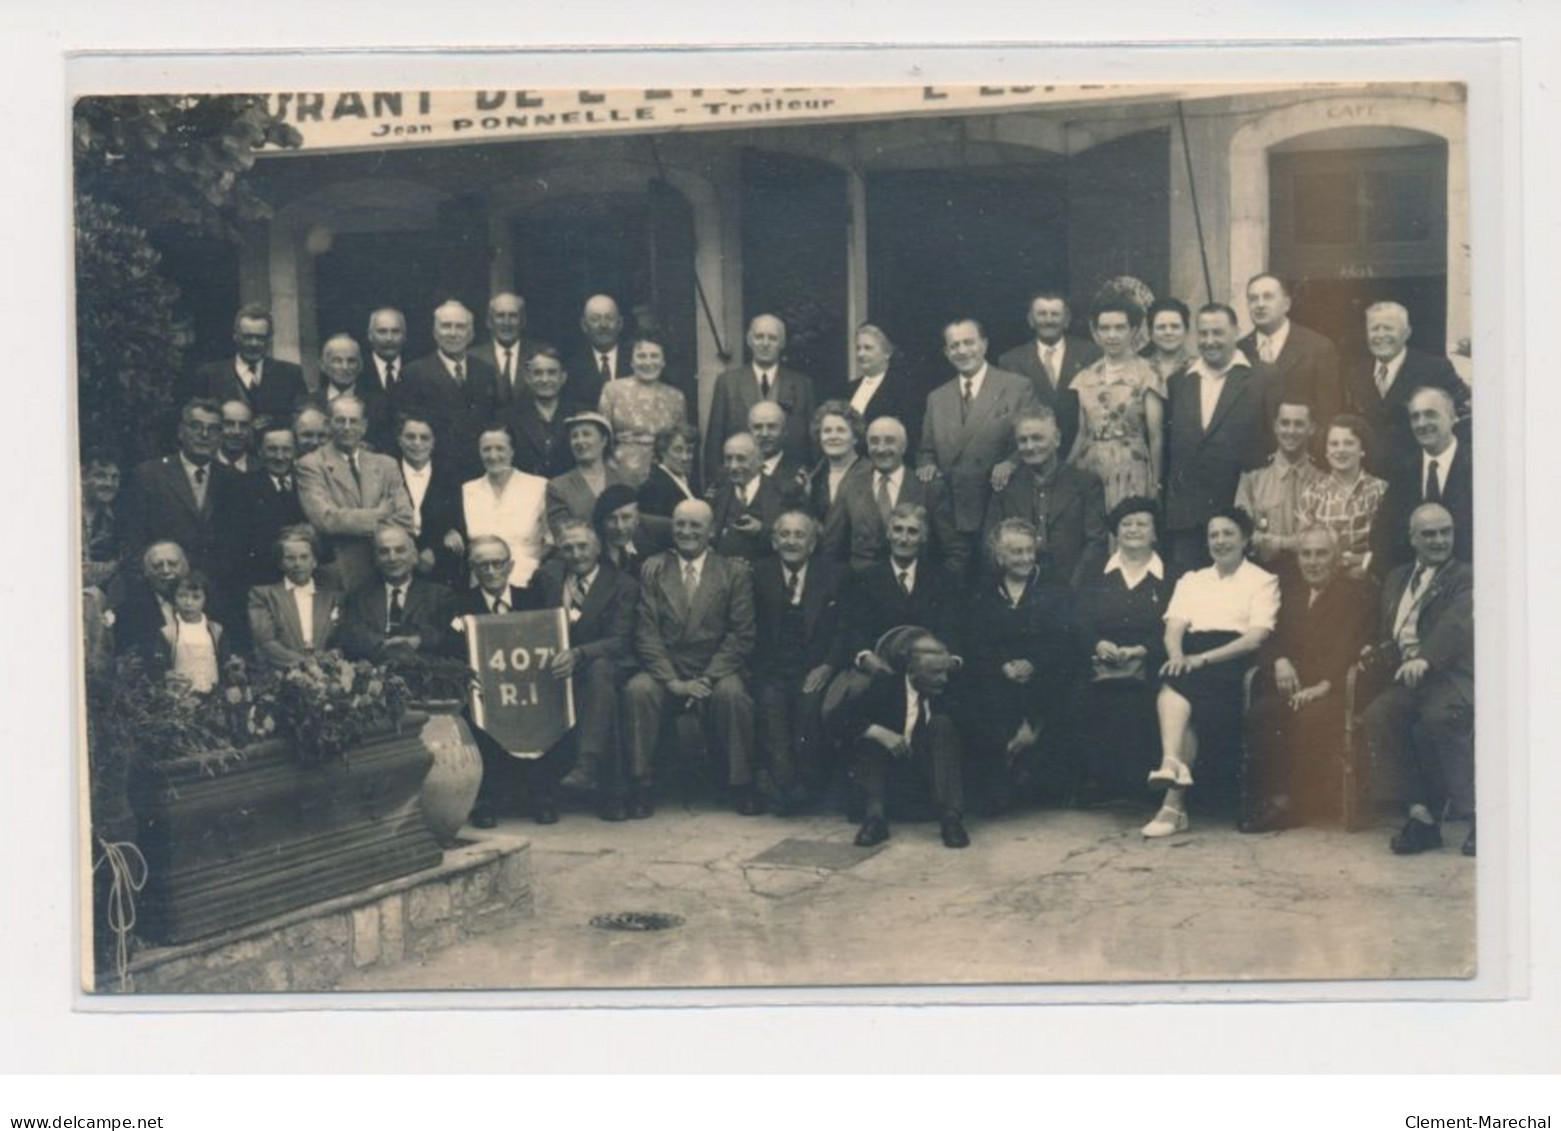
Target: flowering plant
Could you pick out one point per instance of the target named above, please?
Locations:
(327, 703)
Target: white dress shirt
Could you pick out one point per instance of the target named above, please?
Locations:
(417, 487)
(1209, 602)
(801, 574)
(865, 389)
(912, 709)
(976, 381)
(698, 565)
(303, 601)
(1052, 357)
(895, 479)
(1211, 384)
(1392, 365)
(1444, 463)
(1270, 346)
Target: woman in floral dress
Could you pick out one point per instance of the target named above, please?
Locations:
(640, 407)
(1121, 410)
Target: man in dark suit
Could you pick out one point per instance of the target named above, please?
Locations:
(297, 616)
(738, 390)
(1065, 504)
(504, 351)
(603, 356)
(175, 498)
(901, 719)
(627, 543)
(142, 600)
(387, 334)
(800, 645)
(1052, 359)
(458, 390)
(857, 531)
(1441, 471)
(967, 434)
(1220, 409)
(537, 420)
(694, 634)
(767, 426)
(434, 493)
(1305, 364)
(235, 450)
(1422, 726)
(341, 364)
(270, 387)
(600, 603)
(748, 504)
(252, 513)
(1379, 389)
(395, 613)
(1295, 725)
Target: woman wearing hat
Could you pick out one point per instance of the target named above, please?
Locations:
(636, 410)
(625, 542)
(507, 503)
(573, 494)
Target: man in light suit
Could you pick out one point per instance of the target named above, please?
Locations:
(176, 498)
(1422, 726)
(347, 492)
(1379, 390)
(1441, 471)
(967, 432)
(738, 390)
(395, 612)
(695, 632)
(1305, 364)
(857, 531)
(268, 386)
(1052, 359)
(458, 390)
(1220, 408)
(504, 351)
(297, 616)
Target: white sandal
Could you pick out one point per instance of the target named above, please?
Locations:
(1167, 822)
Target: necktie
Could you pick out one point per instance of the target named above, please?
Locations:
(284, 485)
(200, 486)
(1433, 484)
(905, 582)
(606, 369)
(397, 610)
(965, 396)
(764, 386)
(460, 372)
(1049, 360)
(791, 587)
(1312, 599)
(1265, 349)
(885, 504)
(579, 590)
(501, 606)
(357, 476)
(1382, 378)
(252, 378)
(390, 374)
(505, 371)
(690, 579)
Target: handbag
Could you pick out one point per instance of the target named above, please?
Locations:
(1125, 671)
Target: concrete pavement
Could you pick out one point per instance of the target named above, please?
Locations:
(1045, 896)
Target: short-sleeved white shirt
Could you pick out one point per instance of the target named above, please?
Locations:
(1247, 599)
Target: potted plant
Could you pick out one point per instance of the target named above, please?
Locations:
(265, 795)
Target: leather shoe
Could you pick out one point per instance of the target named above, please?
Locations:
(954, 834)
(641, 806)
(545, 814)
(1468, 843)
(749, 803)
(1267, 818)
(613, 810)
(483, 819)
(1416, 836)
(874, 830)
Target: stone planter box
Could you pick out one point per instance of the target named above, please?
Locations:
(264, 836)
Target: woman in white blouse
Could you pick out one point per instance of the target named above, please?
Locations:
(1217, 617)
(507, 503)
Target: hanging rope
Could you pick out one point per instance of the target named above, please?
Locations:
(128, 868)
(1197, 214)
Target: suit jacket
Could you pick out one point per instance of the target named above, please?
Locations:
(159, 505)
(505, 393)
(379, 417)
(458, 412)
(737, 391)
(1406, 491)
(794, 482)
(605, 628)
(709, 633)
(248, 518)
(541, 446)
(1072, 520)
(275, 627)
(570, 496)
(470, 602)
(660, 495)
(1203, 468)
(370, 378)
(1389, 416)
(875, 603)
(281, 388)
(966, 452)
(1446, 624)
(769, 502)
(425, 614)
(585, 376)
(823, 635)
(857, 535)
(896, 396)
(1322, 640)
(343, 506)
(1077, 354)
(440, 513)
(1306, 369)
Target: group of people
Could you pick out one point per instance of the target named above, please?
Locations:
(1080, 572)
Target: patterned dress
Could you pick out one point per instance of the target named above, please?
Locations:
(638, 410)
(1114, 430)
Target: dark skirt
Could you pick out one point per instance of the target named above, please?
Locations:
(1214, 693)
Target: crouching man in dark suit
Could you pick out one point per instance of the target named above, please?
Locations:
(1423, 725)
(902, 721)
(600, 603)
(694, 633)
(1295, 727)
(800, 646)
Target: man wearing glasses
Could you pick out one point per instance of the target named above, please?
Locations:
(173, 499)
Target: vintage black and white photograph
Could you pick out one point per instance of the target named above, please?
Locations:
(622, 539)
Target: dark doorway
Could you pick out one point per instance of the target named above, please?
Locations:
(1351, 227)
(364, 271)
(795, 214)
(1119, 216)
(636, 247)
(965, 242)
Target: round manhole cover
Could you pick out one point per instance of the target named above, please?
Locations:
(636, 921)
